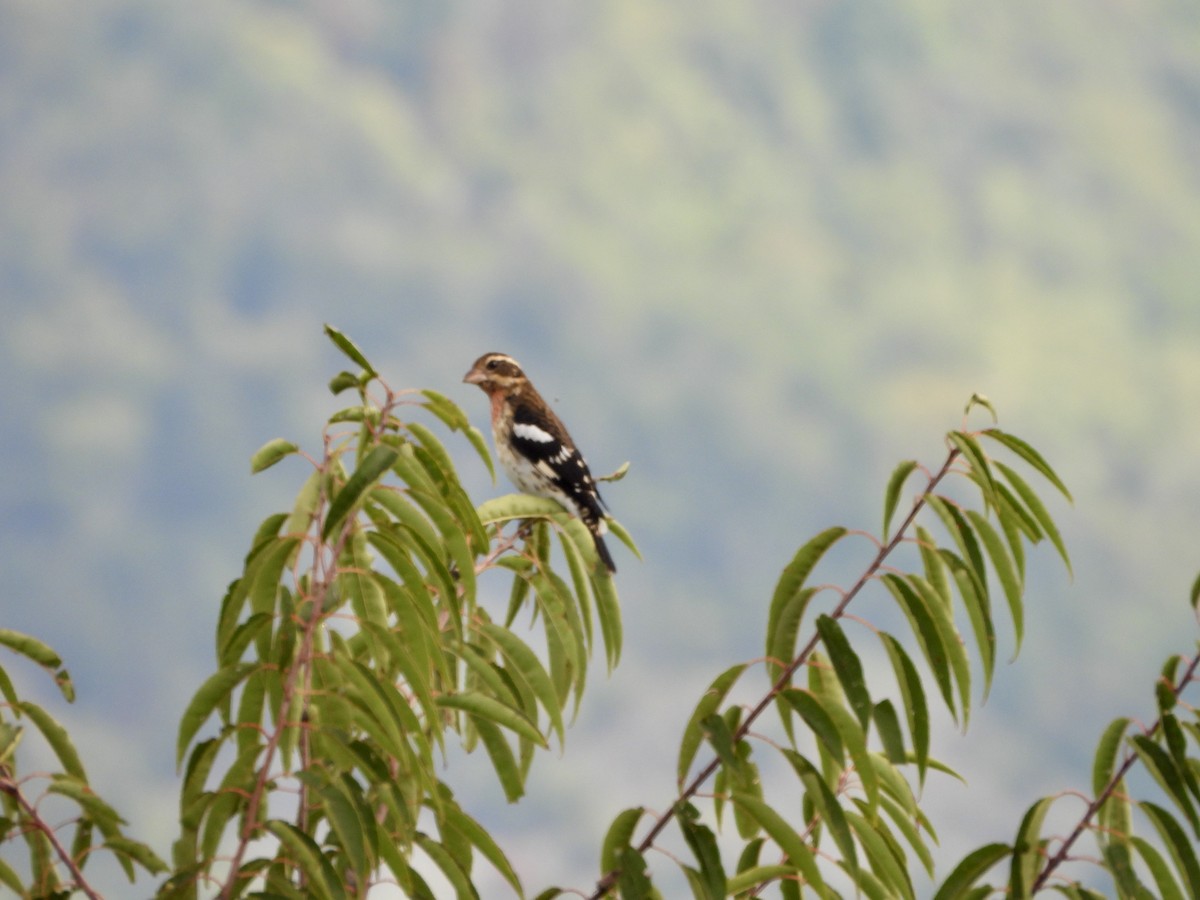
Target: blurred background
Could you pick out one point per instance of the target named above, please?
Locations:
(763, 251)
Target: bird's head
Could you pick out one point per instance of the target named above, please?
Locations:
(495, 372)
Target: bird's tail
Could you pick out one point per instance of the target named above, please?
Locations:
(602, 551)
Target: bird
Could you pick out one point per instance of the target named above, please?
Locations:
(534, 448)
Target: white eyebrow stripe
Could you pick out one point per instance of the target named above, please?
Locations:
(532, 433)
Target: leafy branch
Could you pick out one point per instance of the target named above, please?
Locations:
(1114, 782)
(805, 559)
(858, 809)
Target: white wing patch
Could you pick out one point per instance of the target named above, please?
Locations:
(532, 433)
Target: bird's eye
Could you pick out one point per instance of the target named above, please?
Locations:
(492, 363)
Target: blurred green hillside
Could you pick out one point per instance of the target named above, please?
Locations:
(763, 250)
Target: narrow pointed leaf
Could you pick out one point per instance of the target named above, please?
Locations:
(459, 880)
(1178, 844)
(826, 804)
(972, 867)
(977, 461)
(492, 709)
(1027, 453)
(1105, 763)
(752, 877)
(618, 837)
(348, 347)
(927, 633)
(913, 694)
(1160, 765)
(693, 732)
(781, 641)
(703, 844)
(1005, 571)
(479, 838)
(874, 839)
(799, 854)
(526, 663)
(1038, 510)
(847, 666)
(1027, 852)
(891, 496)
(796, 572)
(270, 453)
(1164, 880)
(308, 858)
(371, 469)
(887, 726)
(500, 753)
(812, 711)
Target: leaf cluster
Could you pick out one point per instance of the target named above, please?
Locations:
(57, 854)
(356, 644)
(834, 803)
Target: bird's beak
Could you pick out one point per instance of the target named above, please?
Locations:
(473, 377)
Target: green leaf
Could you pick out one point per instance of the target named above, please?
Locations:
(810, 708)
(1038, 510)
(1105, 763)
(1027, 453)
(878, 845)
(977, 461)
(56, 736)
(608, 610)
(1160, 765)
(855, 741)
(1028, 854)
(710, 701)
(270, 453)
(818, 792)
(978, 399)
(347, 346)
(891, 496)
(1178, 844)
(791, 581)
(618, 531)
(979, 612)
(912, 692)
(525, 663)
(799, 854)
(1002, 564)
(746, 879)
(914, 607)
(304, 853)
(887, 725)
(30, 647)
(37, 651)
(343, 381)
(973, 866)
(618, 837)
(478, 837)
(847, 666)
(633, 883)
(493, 710)
(373, 466)
(1164, 880)
(781, 640)
(215, 690)
(10, 737)
(704, 847)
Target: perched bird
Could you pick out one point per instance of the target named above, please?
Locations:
(533, 445)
